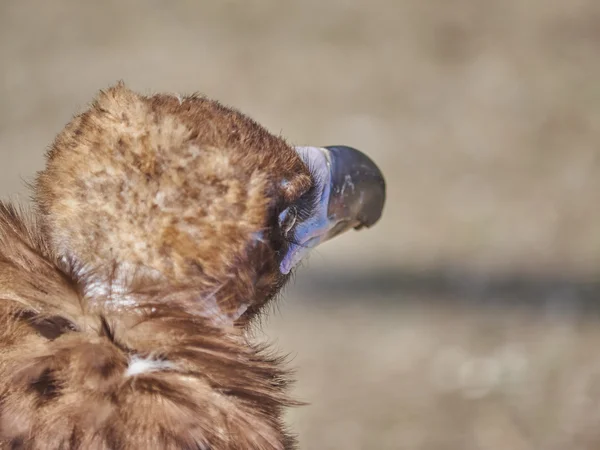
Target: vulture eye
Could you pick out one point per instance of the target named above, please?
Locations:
(287, 220)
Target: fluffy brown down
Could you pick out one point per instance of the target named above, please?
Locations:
(126, 294)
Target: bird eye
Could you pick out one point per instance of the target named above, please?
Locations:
(287, 220)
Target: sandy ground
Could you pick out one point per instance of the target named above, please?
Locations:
(467, 318)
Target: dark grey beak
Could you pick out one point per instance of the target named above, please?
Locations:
(351, 195)
(357, 190)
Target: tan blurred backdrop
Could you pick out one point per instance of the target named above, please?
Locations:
(467, 318)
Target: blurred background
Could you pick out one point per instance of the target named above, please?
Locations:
(468, 317)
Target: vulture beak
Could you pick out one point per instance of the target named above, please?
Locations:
(350, 193)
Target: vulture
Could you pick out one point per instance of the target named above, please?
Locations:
(159, 229)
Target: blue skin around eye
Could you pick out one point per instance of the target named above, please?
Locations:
(312, 231)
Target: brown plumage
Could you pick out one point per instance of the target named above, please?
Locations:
(125, 295)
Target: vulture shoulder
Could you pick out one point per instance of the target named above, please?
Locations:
(77, 375)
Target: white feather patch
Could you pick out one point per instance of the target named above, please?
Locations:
(139, 366)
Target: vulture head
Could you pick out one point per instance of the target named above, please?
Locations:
(162, 226)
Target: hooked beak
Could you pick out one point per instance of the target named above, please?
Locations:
(351, 194)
